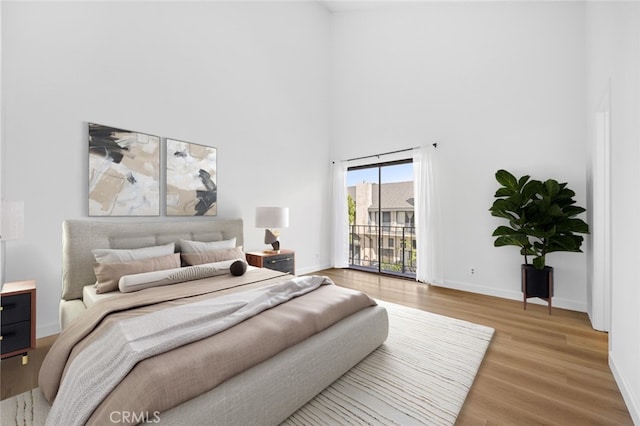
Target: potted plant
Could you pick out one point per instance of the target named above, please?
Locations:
(542, 220)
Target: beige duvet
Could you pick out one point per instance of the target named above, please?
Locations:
(166, 380)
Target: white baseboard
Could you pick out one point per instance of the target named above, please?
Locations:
(479, 289)
(512, 295)
(311, 269)
(45, 330)
(628, 396)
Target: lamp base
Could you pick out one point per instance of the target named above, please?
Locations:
(271, 237)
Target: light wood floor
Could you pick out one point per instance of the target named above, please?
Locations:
(539, 369)
(16, 378)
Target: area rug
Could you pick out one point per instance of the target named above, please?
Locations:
(420, 376)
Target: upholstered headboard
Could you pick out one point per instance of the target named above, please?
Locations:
(79, 237)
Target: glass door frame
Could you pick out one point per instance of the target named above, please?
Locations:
(379, 225)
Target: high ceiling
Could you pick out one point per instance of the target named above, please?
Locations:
(348, 5)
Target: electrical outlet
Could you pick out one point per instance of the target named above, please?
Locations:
(473, 271)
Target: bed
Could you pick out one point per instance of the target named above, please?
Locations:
(265, 392)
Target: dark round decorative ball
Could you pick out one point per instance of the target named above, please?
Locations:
(238, 268)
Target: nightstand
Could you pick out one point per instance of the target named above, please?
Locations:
(18, 319)
(281, 260)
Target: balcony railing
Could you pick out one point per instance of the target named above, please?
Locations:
(388, 249)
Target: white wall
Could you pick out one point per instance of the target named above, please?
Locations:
(613, 48)
(248, 78)
(497, 85)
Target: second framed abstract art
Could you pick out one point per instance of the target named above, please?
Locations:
(191, 179)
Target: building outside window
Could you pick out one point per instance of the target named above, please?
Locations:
(382, 228)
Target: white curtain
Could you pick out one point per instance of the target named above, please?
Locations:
(340, 216)
(427, 218)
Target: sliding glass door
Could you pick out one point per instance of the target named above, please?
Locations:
(381, 220)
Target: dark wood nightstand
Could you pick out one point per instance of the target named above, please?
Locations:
(281, 260)
(18, 319)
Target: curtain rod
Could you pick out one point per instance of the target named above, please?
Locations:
(435, 145)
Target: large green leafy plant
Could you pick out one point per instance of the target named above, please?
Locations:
(541, 215)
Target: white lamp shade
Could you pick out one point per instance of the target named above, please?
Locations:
(272, 217)
(11, 220)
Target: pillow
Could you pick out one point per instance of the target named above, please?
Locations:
(108, 274)
(213, 256)
(187, 246)
(238, 267)
(136, 282)
(129, 255)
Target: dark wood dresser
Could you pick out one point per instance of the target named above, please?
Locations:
(281, 260)
(18, 318)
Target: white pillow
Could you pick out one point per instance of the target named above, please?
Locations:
(187, 246)
(130, 255)
(135, 282)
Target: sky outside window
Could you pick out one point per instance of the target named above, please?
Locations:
(395, 173)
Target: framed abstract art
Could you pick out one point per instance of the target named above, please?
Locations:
(192, 188)
(123, 172)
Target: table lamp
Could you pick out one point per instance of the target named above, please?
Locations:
(271, 218)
